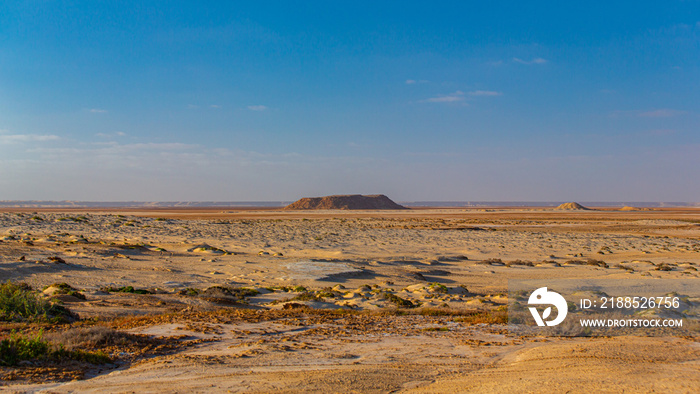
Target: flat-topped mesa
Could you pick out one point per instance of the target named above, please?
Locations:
(572, 206)
(349, 201)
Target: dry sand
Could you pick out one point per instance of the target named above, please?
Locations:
(350, 261)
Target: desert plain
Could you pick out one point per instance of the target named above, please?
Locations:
(262, 300)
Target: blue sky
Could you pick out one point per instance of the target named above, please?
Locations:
(239, 101)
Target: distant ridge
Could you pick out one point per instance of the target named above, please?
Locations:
(572, 206)
(348, 201)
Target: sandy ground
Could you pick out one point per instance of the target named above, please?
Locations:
(351, 262)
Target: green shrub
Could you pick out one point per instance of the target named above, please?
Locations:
(327, 293)
(242, 292)
(306, 296)
(439, 287)
(125, 289)
(19, 302)
(65, 288)
(400, 302)
(17, 348)
(190, 291)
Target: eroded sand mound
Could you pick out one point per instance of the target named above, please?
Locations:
(350, 201)
(572, 206)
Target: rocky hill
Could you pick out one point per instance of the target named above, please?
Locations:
(572, 206)
(350, 201)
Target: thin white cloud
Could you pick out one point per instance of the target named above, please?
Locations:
(449, 98)
(98, 111)
(413, 81)
(15, 138)
(116, 149)
(257, 107)
(106, 135)
(489, 93)
(215, 106)
(537, 60)
(160, 146)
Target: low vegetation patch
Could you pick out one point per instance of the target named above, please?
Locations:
(436, 329)
(89, 338)
(190, 291)
(287, 288)
(125, 289)
(439, 288)
(440, 312)
(328, 292)
(307, 296)
(243, 292)
(224, 292)
(16, 348)
(65, 288)
(484, 317)
(400, 302)
(19, 302)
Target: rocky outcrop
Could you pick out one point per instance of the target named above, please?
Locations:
(350, 201)
(572, 206)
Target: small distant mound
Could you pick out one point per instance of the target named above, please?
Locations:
(350, 201)
(627, 208)
(572, 206)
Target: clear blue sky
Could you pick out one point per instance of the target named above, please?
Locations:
(262, 100)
